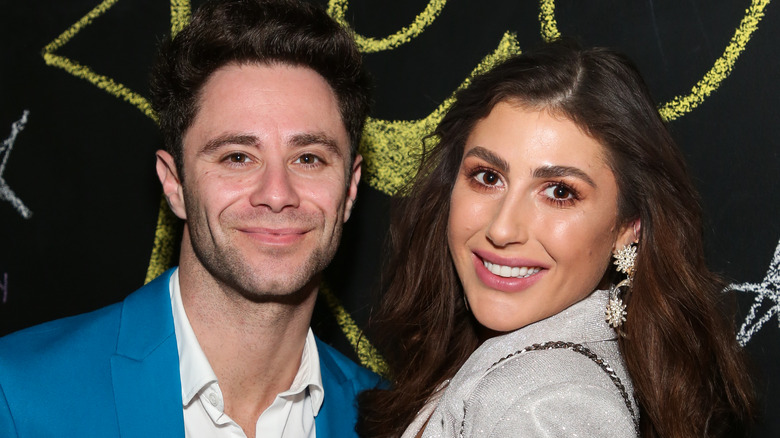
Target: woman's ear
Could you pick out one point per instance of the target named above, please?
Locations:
(629, 233)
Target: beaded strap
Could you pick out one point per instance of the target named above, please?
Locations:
(583, 350)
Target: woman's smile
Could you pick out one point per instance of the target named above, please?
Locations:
(533, 216)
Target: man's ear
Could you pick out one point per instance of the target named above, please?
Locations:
(629, 233)
(353, 186)
(171, 183)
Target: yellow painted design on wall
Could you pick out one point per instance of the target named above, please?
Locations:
(367, 354)
(681, 105)
(180, 15)
(338, 10)
(391, 149)
(547, 20)
(165, 232)
(163, 249)
(74, 68)
(164, 242)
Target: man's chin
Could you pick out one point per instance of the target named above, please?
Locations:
(285, 276)
(288, 290)
(279, 279)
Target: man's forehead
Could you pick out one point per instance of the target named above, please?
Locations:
(256, 98)
(268, 71)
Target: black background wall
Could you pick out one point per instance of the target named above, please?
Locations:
(80, 219)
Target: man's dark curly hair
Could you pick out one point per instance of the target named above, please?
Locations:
(226, 32)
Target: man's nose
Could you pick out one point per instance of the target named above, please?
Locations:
(275, 189)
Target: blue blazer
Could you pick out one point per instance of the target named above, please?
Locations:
(115, 372)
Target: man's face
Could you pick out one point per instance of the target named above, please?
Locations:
(265, 191)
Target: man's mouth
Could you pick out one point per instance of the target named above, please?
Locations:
(274, 231)
(276, 236)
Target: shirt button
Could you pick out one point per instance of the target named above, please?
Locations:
(213, 399)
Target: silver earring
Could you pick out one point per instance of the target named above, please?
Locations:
(616, 310)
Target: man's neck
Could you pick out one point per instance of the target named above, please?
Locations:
(254, 348)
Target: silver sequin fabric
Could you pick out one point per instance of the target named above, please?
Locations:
(540, 393)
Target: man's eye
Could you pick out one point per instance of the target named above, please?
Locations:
(489, 178)
(238, 157)
(308, 159)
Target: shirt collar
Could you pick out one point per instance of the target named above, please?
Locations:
(308, 375)
(197, 374)
(194, 367)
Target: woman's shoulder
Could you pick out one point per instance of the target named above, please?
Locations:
(554, 363)
(565, 388)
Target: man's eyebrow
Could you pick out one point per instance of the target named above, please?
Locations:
(297, 140)
(562, 171)
(310, 138)
(216, 143)
(499, 163)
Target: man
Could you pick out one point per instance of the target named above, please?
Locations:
(261, 104)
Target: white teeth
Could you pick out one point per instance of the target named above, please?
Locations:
(511, 271)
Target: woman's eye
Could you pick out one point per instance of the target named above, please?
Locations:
(559, 192)
(308, 159)
(489, 178)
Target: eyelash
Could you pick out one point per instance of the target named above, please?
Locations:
(319, 160)
(245, 159)
(474, 173)
(561, 202)
(228, 159)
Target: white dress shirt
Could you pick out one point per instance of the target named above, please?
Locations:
(291, 415)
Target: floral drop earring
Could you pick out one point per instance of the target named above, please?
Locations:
(616, 310)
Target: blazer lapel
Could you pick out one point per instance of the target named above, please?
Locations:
(338, 412)
(145, 368)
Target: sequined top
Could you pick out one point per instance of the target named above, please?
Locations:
(502, 392)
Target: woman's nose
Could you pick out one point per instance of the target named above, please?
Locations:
(509, 223)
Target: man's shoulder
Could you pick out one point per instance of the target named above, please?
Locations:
(73, 337)
(344, 370)
(95, 360)
(55, 367)
(59, 337)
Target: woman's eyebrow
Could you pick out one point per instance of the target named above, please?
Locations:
(494, 160)
(562, 171)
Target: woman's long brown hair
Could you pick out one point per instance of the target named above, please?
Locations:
(679, 344)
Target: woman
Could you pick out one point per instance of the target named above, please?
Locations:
(504, 314)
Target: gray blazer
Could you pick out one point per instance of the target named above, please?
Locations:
(503, 391)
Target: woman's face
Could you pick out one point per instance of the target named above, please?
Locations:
(533, 217)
